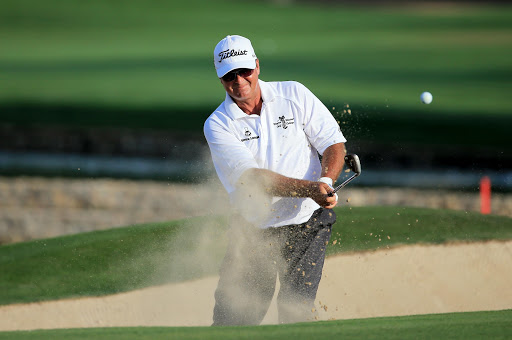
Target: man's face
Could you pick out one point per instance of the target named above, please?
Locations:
(243, 87)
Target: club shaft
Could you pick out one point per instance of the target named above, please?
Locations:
(343, 184)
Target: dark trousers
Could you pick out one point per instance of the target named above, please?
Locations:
(254, 259)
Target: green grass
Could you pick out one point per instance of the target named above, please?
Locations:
(367, 228)
(149, 64)
(123, 259)
(475, 325)
(110, 261)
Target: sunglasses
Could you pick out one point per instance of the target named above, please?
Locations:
(242, 72)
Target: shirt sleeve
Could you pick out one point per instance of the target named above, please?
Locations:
(319, 124)
(230, 156)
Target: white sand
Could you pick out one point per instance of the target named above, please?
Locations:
(401, 281)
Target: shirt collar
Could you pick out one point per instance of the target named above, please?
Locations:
(234, 112)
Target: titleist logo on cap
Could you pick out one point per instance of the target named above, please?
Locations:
(230, 53)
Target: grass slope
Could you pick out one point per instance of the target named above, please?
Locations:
(367, 228)
(475, 325)
(123, 259)
(109, 261)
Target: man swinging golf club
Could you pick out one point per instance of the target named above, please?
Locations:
(264, 140)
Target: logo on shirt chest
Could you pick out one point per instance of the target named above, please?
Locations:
(284, 122)
(248, 135)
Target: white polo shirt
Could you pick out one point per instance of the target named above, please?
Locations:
(292, 128)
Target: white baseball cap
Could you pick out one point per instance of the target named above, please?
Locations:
(232, 52)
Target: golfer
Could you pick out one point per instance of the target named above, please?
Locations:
(266, 140)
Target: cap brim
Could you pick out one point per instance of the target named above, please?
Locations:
(233, 66)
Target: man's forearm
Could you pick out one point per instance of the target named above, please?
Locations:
(255, 181)
(333, 160)
(276, 184)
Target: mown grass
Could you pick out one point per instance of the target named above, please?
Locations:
(475, 325)
(123, 259)
(99, 63)
(367, 228)
(109, 261)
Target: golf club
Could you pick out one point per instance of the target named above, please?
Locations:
(353, 163)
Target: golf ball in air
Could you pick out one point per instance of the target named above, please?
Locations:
(426, 97)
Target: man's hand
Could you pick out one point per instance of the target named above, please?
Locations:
(319, 193)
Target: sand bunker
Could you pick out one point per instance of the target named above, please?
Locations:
(400, 281)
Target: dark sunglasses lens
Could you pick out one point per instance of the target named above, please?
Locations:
(246, 72)
(230, 76)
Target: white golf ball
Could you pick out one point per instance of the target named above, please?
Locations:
(426, 97)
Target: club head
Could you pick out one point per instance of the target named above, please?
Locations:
(353, 163)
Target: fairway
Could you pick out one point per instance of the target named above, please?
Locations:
(133, 55)
(150, 65)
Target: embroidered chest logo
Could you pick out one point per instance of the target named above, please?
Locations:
(284, 122)
(248, 135)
